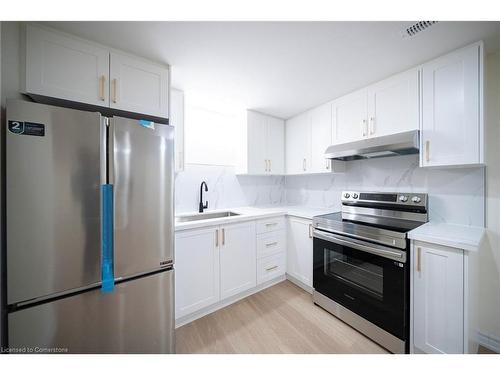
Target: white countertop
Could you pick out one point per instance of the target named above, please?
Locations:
(251, 213)
(459, 236)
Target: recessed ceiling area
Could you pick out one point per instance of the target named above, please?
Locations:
(282, 68)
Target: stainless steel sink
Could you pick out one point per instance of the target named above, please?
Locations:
(205, 216)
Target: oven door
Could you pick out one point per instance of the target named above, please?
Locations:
(366, 278)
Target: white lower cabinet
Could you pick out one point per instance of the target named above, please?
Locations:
(212, 264)
(271, 267)
(237, 258)
(300, 251)
(438, 298)
(271, 249)
(196, 270)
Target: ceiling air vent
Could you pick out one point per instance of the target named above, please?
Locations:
(416, 28)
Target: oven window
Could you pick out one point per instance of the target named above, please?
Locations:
(359, 273)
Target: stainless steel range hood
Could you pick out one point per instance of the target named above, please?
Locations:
(377, 147)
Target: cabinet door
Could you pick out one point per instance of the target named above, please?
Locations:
(196, 270)
(300, 250)
(451, 105)
(321, 137)
(393, 105)
(177, 120)
(298, 144)
(256, 143)
(237, 259)
(138, 86)
(349, 117)
(276, 145)
(438, 298)
(64, 67)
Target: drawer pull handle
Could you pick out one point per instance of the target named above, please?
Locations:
(271, 268)
(216, 238)
(271, 224)
(271, 244)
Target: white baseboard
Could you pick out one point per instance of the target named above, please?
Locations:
(228, 301)
(300, 284)
(489, 341)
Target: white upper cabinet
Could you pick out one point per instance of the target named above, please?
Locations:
(256, 143)
(276, 145)
(438, 299)
(138, 86)
(65, 67)
(265, 144)
(452, 120)
(308, 135)
(298, 144)
(388, 107)
(349, 115)
(176, 119)
(321, 137)
(393, 105)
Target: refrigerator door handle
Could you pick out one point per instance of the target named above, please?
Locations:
(107, 207)
(107, 268)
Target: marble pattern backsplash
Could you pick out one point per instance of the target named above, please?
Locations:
(225, 188)
(456, 195)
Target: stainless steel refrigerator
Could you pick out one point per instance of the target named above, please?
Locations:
(89, 232)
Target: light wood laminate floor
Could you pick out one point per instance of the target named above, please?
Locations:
(280, 319)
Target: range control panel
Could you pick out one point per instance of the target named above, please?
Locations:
(406, 199)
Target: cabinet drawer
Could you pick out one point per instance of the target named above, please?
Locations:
(270, 243)
(270, 267)
(271, 224)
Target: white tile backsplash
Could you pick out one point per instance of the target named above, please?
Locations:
(456, 195)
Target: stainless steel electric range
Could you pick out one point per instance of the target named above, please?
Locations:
(361, 263)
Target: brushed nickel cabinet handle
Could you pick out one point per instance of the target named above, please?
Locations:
(265, 164)
(223, 236)
(271, 244)
(427, 151)
(304, 164)
(102, 81)
(115, 96)
(327, 163)
(363, 128)
(372, 125)
(271, 268)
(310, 231)
(216, 238)
(270, 165)
(419, 251)
(271, 224)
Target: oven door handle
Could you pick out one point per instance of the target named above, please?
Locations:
(400, 256)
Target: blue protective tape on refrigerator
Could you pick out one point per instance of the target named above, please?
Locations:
(107, 277)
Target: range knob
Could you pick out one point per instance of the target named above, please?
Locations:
(416, 199)
(355, 195)
(403, 198)
(347, 195)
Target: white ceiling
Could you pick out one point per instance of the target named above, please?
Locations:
(281, 68)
